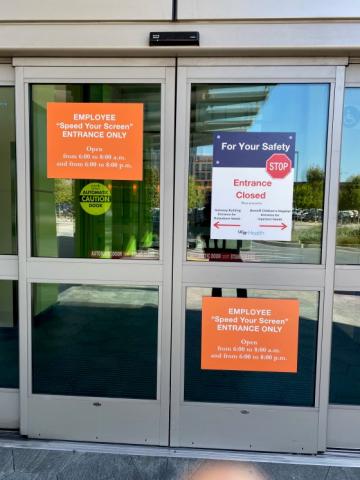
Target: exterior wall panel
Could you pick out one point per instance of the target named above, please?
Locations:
(85, 10)
(266, 9)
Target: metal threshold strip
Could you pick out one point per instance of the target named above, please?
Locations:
(332, 458)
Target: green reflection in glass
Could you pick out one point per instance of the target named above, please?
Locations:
(95, 340)
(130, 228)
(8, 240)
(300, 108)
(9, 335)
(267, 388)
(348, 227)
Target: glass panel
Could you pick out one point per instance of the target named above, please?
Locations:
(299, 108)
(345, 357)
(92, 340)
(130, 228)
(8, 240)
(9, 335)
(348, 227)
(274, 388)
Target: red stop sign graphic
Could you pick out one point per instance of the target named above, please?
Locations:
(278, 165)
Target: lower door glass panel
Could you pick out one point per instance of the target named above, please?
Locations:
(269, 388)
(345, 358)
(92, 340)
(9, 335)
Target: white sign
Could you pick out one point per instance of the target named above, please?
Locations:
(252, 186)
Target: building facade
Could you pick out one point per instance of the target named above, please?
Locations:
(105, 270)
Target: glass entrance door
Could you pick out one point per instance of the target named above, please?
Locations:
(233, 385)
(97, 205)
(233, 292)
(9, 332)
(344, 397)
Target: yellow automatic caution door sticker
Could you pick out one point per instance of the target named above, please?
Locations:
(95, 198)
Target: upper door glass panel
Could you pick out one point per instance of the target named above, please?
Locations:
(130, 227)
(8, 240)
(348, 227)
(299, 108)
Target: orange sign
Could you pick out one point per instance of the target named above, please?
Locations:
(254, 334)
(95, 140)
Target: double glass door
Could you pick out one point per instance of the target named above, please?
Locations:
(114, 272)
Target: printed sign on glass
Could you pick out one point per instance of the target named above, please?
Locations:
(95, 140)
(250, 334)
(252, 186)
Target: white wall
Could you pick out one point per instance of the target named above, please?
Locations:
(13, 10)
(117, 10)
(267, 9)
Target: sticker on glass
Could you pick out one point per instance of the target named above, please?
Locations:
(95, 198)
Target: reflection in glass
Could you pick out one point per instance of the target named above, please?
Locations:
(300, 108)
(9, 335)
(348, 227)
(92, 340)
(251, 387)
(345, 357)
(130, 228)
(8, 241)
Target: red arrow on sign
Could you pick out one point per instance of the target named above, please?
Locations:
(218, 225)
(282, 226)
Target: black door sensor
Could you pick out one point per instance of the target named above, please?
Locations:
(161, 39)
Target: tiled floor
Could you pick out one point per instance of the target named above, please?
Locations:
(40, 464)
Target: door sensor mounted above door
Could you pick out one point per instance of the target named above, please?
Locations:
(160, 39)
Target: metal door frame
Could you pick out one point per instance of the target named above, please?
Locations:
(9, 397)
(344, 420)
(141, 421)
(205, 425)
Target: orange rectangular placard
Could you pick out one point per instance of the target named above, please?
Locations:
(95, 140)
(253, 334)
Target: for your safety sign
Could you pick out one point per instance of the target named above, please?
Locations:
(252, 185)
